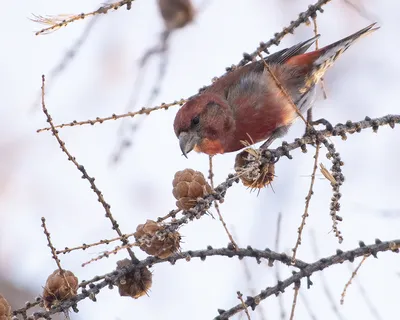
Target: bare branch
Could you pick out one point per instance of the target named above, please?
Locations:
(85, 175)
(353, 275)
(57, 22)
(317, 266)
(308, 199)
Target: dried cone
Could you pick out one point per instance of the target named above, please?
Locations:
(136, 283)
(59, 286)
(176, 13)
(155, 240)
(5, 309)
(188, 186)
(252, 171)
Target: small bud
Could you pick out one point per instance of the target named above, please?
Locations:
(136, 283)
(59, 286)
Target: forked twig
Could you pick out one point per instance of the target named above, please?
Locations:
(87, 246)
(85, 175)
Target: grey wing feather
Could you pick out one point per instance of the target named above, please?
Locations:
(283, 55)
(252, 81)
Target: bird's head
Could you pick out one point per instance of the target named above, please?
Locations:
(204, 124)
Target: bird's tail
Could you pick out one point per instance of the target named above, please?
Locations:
(321, 60)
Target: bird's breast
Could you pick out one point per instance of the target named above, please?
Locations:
(210, 147)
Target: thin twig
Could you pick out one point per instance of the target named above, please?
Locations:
(85, 246)
(54, 254)
(125, 142)
(50, 245)
(277, 268)
(322, 83)
(107, 254)
(249, 279)
(240, 297)
(294, 303)
(114, 116)
(171, 214)
(325, 286)
(210, 177)
(364, 294)
(85, 175)
(353, 275)
(308, 199)
(68, 57)
(283, 90)
(56, 22)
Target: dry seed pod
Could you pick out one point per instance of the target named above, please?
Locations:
(5, 309)
(136, 283)
(155, 240)
(176, 13)
(59, 286)
(188, 186)
(251, 171)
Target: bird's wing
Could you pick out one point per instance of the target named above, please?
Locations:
(284, 54)
(245, 76)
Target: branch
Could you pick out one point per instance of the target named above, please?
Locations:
(114, 116)
(274, 155)
(319, 265)
(112, 278)
(56, 22)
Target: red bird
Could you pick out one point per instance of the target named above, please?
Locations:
(247, 105)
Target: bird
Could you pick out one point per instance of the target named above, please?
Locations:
(248, 105)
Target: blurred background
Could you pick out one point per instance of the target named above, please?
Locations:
(37, 180)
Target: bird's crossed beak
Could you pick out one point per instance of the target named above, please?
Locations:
(187, 141)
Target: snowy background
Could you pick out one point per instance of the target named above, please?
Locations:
(37, 180)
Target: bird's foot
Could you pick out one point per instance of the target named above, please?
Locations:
(326, 123)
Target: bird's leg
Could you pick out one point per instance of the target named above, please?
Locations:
(310, 125)
(324, 122)
(309, 121)
(277, 133)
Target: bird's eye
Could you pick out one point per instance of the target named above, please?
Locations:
(196, 120)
